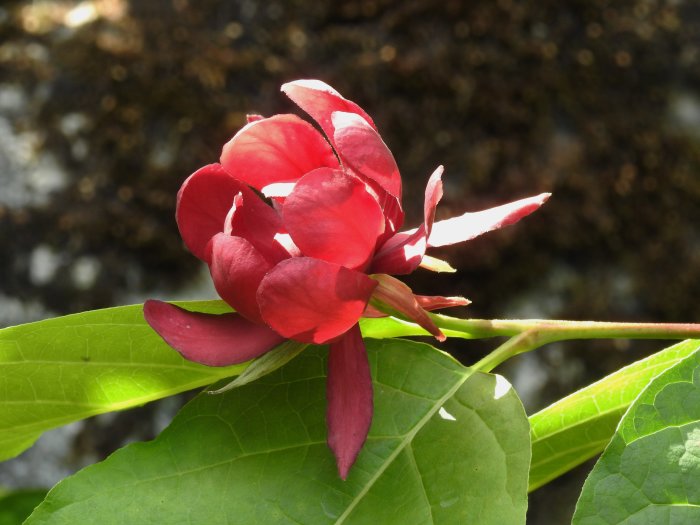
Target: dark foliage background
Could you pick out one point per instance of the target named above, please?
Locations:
(596, 101)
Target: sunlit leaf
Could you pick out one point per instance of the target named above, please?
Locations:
(576, 428)
(68, 368)
(445, 446)
(650, 472)
(60, 370)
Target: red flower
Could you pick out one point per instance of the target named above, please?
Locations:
(298, 269)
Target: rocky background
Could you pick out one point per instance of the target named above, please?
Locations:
(107, 105)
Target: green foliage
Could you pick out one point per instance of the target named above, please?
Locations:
(68, 368)
(650, 472)
(60, 370)
(16, 506)
(446, 446)
(578, 427)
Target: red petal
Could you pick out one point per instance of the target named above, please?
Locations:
(237, 269)
(399, 299)
(331, 216)
(403, 253)
(277, 149)
(359, 145)
(349, 394)
(203, 202)
(320, 100)
(437, 302)
(313, 301)
(471, 225)
(214, 340)
(260, 224)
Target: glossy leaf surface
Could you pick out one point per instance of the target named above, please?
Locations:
(650, 472)
(445, 446)
(68, 368)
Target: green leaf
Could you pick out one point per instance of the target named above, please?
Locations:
(388, 327)
(60, 370)
(576, 428)
(16, 506)
(68, 368)
(650, 472)
(446, 446)
(265, 364)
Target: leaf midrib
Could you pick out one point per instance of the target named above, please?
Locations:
(407, 439)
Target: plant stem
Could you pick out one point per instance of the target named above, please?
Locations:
(517, 344)
(564, 330)
(526, 335)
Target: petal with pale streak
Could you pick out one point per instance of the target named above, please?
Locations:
(237, 268)
(437, 302)
(313, 301)
(260, 224)
(203, 202)
(359, 145)
(403, 253)
(471, 225)
(331, 216)
(349, 394)
(212, 340)
(320, 100)
(277, 149)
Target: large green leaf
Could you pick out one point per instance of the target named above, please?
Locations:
(60, 370)
(650, 472)
(576, 428)
(445, 446)
(68, 368)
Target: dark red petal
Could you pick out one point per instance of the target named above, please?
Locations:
(203, 202)
(277, 149)
(237, 269)
(349, 394)
(313, 301)
(331, 216)
(471, 225)
(260, 224)
(433, 194)
(360, 147)
(320, 100)
(403, 253)
(396, 298)
(213, 340)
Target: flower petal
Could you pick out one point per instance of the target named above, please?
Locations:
(364, 154)
(394, 297)
(213, 340)
(471, 225)
(403, 253)
(203, 202)
(349, 394)
(359, 145)
(237, 268)
(277, 149)
(320, 100)
(438, 302)
(251, 218)
(313, 301)
(331, 216)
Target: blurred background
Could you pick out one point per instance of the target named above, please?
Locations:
(106, 106)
